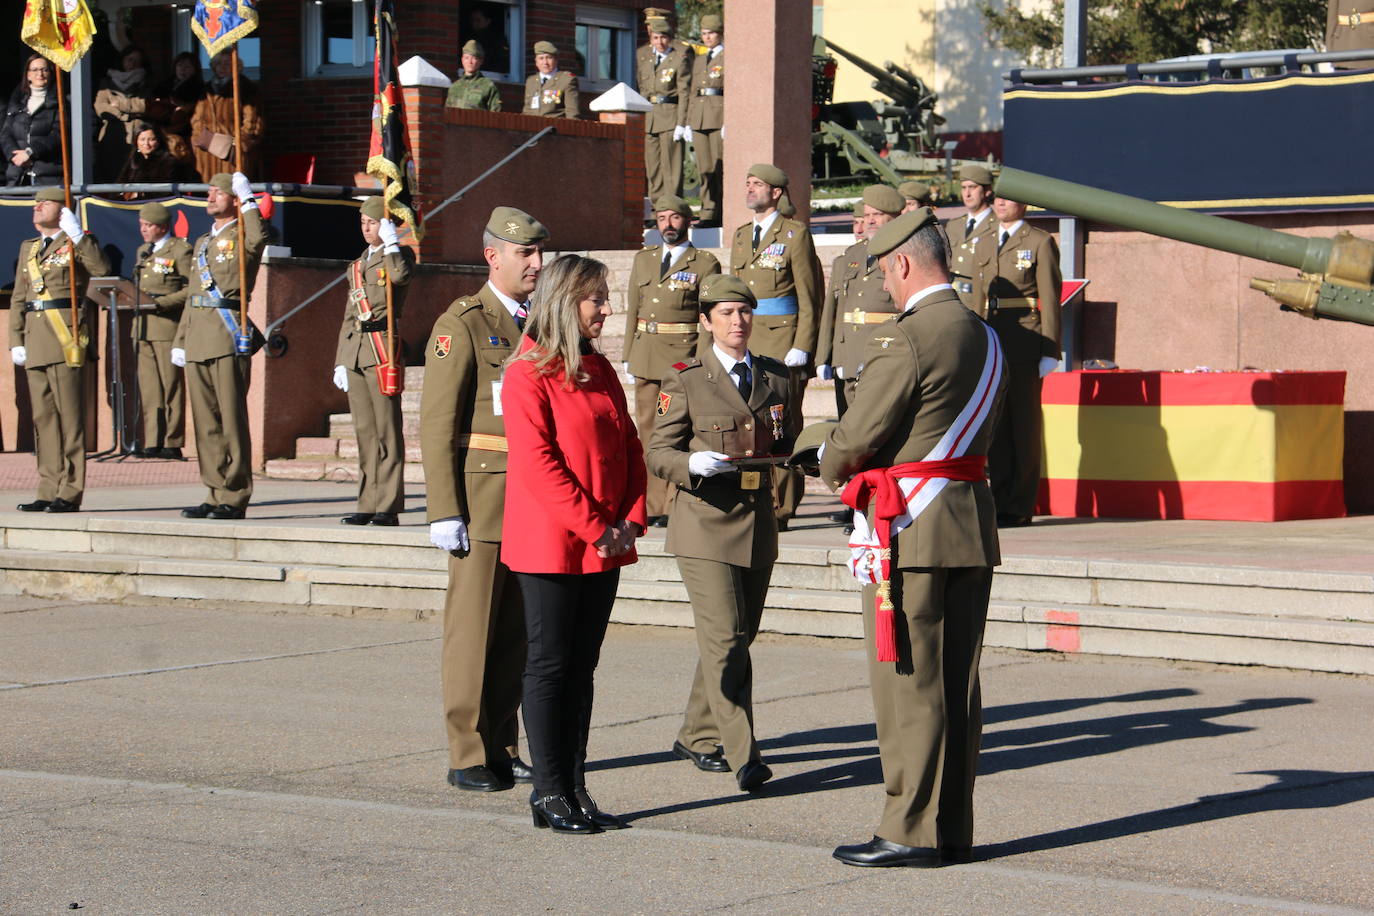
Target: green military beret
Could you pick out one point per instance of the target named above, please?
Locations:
(808, 443)
(724, 288)
(474, 48)
(913, 190)
(56, 195)
(373, 207)
(899, 230)
(881, 197)
(977, 174)
(544, 47)
(516, 226)
(674, 203)
(660, 26)
(786, 207)
(155, 213)
(224, 181)
(712, 23)
(769, 174)
(858, 209)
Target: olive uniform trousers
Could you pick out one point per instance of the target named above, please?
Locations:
(57, 395)
(706, 147)
(381, 443)
(160, 394)
(218, 391)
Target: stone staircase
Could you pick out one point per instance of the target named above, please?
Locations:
(1321, 621)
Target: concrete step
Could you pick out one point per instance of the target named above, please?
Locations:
(1238, 615)
(336, 469)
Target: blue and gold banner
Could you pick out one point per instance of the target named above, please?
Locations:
(1290, 142)
(221, 23)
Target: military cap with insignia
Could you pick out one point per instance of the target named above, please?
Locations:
(474, 47)
(913, 190)
(674, 204)
(858, 208)
(899, 230)
(224, 181)
(155, 213)
(56, 195)
(517, 226)
(977, 174)
(660, 26)
(654, 12)
(544, 47)
(724, 288)
(881, 197)
(712, 23)
(373, 207)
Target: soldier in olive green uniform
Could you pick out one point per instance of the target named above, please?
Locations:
(163, 267)
(915, 194)
(550, 92)
(216, 374)
(663, 70)
(1020, 272)
(661, 326)
(971, 237)
(41, 341)
(463, 443)
(922, 418)
(362, 348)
(856, 302)
(728, 405)
(775, 256)
(706, 117)
(471, 89)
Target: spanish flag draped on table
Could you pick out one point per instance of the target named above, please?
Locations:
(1240, 446)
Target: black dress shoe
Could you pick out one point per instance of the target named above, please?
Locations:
(782, 524)
(956, 855)
(658, 521)
(38, 505)
(225, 512)
(201, 511)
(520, 771)
(844, 515)
(594, 814)
(713, 762)
(171, 454)
(752, 775)
(62, 505)
(148, 452)
(559, 815)
(478, 779)
(385, 519)
(880, 853)
(357, 518)
(1013, 521)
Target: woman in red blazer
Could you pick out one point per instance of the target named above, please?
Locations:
(574, 506)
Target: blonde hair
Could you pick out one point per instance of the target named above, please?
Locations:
(553, 321)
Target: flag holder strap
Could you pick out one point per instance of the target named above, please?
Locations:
(277, 344)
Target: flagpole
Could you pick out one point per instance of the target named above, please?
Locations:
(244, 334)
(67, 191)
(390, 319)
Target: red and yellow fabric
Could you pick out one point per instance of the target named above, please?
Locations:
(1242, 446)
(60, 30)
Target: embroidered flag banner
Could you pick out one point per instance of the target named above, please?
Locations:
(219, 24)
(60, 30)
(388, 155)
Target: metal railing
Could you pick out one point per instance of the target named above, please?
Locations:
(1212, 67)
(177, 188)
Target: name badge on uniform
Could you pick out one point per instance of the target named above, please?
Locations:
(1023, 259)
(496, 397)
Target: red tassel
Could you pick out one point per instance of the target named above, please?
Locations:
(885, 625)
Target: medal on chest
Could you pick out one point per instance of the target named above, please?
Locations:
(683, 279)
(773, 257)
(1023, 259)
(775, 413)
(224, 250)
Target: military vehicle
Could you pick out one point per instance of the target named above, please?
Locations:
(1336, 278)
(853, 142)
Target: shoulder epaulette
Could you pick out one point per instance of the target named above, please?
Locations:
(689, 364)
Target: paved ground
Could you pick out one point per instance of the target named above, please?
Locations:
(166, 759)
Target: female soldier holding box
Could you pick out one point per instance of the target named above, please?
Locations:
(714, 415)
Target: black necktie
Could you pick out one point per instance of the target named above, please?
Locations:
(1002, 241)
(972, 224)
(746, 384)
(758, 234)
(667, 262)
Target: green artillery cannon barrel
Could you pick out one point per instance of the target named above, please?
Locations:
(1309, 255)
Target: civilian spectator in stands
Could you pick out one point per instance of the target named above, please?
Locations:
(212, 125)
(31, 138)
(151, 161)
(176, 100)
(575, 495)
(120, 103)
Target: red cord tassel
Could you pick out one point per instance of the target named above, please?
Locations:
(885, 626)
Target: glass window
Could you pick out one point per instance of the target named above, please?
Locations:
(339, 38)
(497, 25)
(605, 48)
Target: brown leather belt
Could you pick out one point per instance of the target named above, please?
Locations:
(666, 327)
(484, 442)
(859, 316)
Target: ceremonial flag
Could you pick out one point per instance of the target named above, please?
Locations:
(60, 30)
(388, 154)
(219, 24)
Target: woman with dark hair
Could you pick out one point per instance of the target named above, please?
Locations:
(177, 97)
(150, 161)
(575, 493)
(31, 138)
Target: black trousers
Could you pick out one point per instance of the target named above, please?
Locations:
(565, 622)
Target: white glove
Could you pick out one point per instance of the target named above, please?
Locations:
(449, 534)
(1047, 365)
(629, 376)
(678, 132)
(708, 464)
(824, 372)
(179, 357)
(386, 231)
(722, 131)
(687, 133)
(19, 355)
(70, 225)
(243, 190)
(795, 358)
(341, 378)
